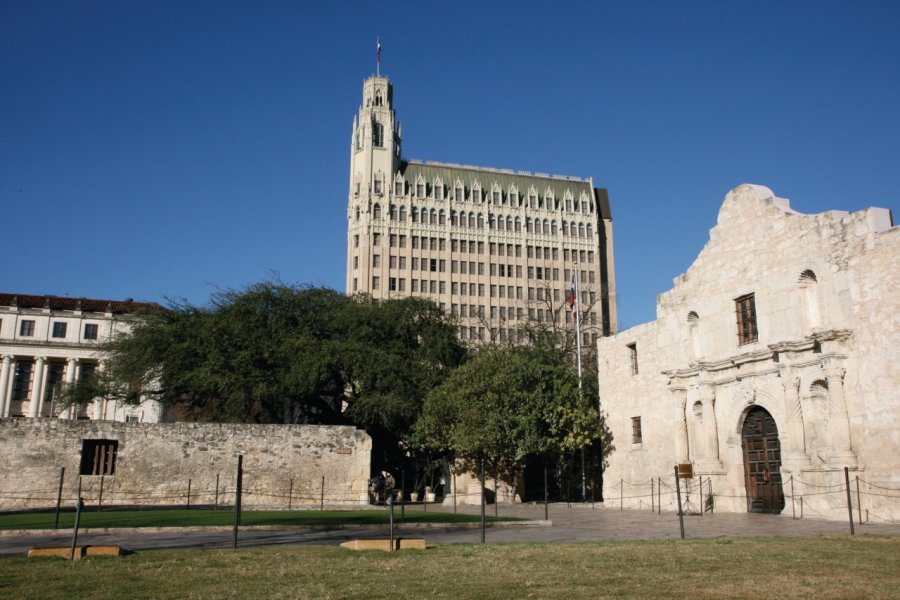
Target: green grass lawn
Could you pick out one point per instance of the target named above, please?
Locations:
(189, 518)
(821, 568)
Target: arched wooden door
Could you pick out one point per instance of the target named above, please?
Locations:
(762, 462)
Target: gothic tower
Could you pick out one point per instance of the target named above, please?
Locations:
(374, 159)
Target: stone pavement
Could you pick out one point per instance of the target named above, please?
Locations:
(569, 524)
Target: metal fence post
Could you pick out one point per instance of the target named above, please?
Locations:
(546, 497)
(62, 475)
(189, 494)
(849, 499)
(78, 507)
(237, 500)
(858, 503)
(100, 498)
(290, 493)
(216, 505)
(680, 512)
(482, 500)
(322, 495)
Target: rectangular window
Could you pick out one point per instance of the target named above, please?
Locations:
(745, 312)
(393, 240)
(632, 356)
(636, 436)
(355, 286)
(403, 241)
(22, 381)
(98, 457)
(376, 260)
(398, 188)
(376, 283)
(26, 328)
(356, 241)
(433, 265)
(392, 284)
(376, 239)
(402, 285)
(59, 330)
(377, 186)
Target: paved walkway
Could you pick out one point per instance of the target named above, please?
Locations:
(575, 523)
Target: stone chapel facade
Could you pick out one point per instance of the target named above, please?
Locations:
(770, 368)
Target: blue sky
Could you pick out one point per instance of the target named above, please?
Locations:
(167, 149)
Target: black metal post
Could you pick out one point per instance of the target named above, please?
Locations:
(454, 493)
(652, 496)
(390, 503)
(322, 495)
(62, 475)
(100, 498)
(659, 495)
(583, 478)
(290, 493)
(482, 500)
(546, 497)
(402, 499)
(78, 508)
(189, 494)
(849, 499)
(216, 505)
(237, 500)
(496, 495)
(702, 504)
(680, 512)
(858, 503)
(793, 502)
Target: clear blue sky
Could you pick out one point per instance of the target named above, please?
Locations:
(152, 149)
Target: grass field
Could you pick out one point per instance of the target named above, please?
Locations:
(188, 518)
(821, 568)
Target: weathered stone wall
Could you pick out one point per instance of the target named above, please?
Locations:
(823, 366)
(156, 463)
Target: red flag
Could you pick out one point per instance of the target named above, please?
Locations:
(573, 290)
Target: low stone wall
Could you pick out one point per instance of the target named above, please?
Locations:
(181, 463)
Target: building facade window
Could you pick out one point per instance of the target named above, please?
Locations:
(98, 457)
(745, 313)
(90, 331)
(633, 358)
(26, 328)
(59, 330)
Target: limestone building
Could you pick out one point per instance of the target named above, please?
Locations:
(47, 341)
(496, 248)
(771, 366)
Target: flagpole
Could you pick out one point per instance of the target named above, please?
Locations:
(378, 57)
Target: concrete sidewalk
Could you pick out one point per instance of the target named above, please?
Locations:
(570, 524)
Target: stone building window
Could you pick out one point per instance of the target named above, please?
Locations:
(59, 330)
(90, 331)
(636, 435)
(633, 358)
(98, 457)
(26, 328)
(745, 313)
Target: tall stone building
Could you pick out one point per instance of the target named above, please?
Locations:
(494, 247)
(770, 368)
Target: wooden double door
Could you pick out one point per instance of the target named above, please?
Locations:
(762, 462)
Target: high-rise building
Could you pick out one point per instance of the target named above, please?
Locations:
(496, 248)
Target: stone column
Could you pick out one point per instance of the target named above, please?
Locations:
(796, 455)
(679, 397)
(37, 387)
(4, 385)
(841, 454)
(99, 403)
(70, 379)
(710, 443)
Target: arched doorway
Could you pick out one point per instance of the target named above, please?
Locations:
(762, 462)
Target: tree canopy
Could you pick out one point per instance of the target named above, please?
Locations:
(275, 353)
(506, 403)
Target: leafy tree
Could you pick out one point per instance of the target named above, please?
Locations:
(275, 353)
(506, 403)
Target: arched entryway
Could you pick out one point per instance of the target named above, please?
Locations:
(762, 462)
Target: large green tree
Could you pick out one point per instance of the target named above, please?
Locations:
(506, 403)
(275, 353)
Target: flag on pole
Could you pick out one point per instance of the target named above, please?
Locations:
(573, 291)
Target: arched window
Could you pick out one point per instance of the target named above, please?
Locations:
(378, 135)
(403, 214)
(529, 226)
(518, 224)
(565, 228)
(496, 194)
(476, 195)
(509, 223)
(546, 227)
(809, 293)
(573, 229)
(590, 230)
(463, 219)
(480, 221)
(693, 321)
(378, 98)
(537, 226)
(376, 212)
(415, 214)
(442, 218)
(454, 218)
(398, 187)
(420, 189)
(458, 194)
(581, 230)
(492, 221)
(438, 190)
(501, 223)
(548, 202)
(533, 200)
(553, 230)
